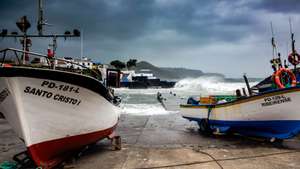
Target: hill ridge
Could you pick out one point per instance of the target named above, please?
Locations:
(170, 73)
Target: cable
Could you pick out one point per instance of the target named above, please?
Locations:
(214, 159)
(218, 160)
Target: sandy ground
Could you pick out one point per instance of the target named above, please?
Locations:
(168, 141)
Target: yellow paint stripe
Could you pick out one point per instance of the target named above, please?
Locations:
(193, 106)
(257, 97)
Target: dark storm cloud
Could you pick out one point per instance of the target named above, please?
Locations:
(279, 6)
(120, 20)
(154, 30)
(124, 20)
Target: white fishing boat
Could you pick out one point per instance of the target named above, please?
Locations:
(55, 112)
(273, 114)
(271, 109)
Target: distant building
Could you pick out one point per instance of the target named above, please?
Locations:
(65, 62)
(68, 62)
(84, 62)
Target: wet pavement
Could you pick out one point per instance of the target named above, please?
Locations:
(169, 141)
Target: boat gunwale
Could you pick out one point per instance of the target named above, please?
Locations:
(41, 73)
(244, 99)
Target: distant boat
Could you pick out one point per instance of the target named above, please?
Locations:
(55, 112)
(142, 79)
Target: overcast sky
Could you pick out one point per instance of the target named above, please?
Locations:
(225, 36)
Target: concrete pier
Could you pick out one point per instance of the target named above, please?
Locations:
(169, 141)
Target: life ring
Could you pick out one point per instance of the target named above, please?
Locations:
(278, 75)
(294, 58)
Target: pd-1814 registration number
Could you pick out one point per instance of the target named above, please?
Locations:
(55, 96)
(279, 99)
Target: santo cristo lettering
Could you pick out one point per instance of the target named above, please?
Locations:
(50, 95)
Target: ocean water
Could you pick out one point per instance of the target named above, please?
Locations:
(144, 101)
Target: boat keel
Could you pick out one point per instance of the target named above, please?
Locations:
(277, 129)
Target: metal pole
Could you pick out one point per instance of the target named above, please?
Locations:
(293, 43)
(247, 84)
(81, 45)
(24, 48)
(273, 42)
(54, 51)
(4, 55)
(41, 18)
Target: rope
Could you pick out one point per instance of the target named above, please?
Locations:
(218, 160)
(208, 116)
(8, 165)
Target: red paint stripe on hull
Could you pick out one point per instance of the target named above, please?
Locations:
(49, 154)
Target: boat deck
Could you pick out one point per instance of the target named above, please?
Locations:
(169, 141)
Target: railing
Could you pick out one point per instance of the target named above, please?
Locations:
(50, 62)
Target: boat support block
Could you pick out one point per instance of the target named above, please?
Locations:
(23, 160)
(116, 142)
(2, 116)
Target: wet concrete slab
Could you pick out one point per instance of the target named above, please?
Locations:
(169, 141)
(10, 144)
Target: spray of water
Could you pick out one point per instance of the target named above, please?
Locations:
(143, 109)
(209, 85)
(144, 102)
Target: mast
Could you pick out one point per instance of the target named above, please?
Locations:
(81, 45)
(274, 48)
(294, 52)
(275, 62)
(24, 25)
(247, 85)
(292, 36)
(40, 21)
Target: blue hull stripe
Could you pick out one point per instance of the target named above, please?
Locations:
(281, 129)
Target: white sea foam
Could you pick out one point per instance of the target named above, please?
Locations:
(150, 91)
(143, 109)
(209, 85)
(144, 102)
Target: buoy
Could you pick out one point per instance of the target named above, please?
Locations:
(294, 58)
(278, 75)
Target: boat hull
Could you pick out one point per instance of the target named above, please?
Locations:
(53, 117)
(51, 153)
(274, 114)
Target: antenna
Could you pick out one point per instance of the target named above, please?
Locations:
(40, 22)
(292, 36)
(23, 24)
(81, 45)
(294, 56)
(274, 49)
(276, 61)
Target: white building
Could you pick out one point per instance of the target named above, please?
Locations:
(85, 62)
(68, 62)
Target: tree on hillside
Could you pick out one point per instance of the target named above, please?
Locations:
(131, 63)
(118, 64)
